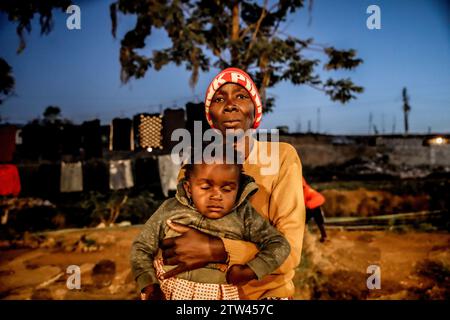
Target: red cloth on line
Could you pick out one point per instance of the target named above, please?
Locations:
(7, 143)
(9, 180)
(313, 198)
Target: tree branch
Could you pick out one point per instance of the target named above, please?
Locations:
(235, 33)
(255, 33)
(315, 87)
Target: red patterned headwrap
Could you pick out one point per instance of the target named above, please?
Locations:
(234, 75)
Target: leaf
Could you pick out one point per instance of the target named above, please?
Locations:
(341, 90)
(341, 59)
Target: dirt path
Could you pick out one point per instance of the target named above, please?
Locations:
(413, 265)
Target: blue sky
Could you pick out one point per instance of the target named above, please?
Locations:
(78, 70)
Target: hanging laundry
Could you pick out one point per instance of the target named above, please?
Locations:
(7, 143)
(71, 177)
(19, 137)
(149, 130)
(121, 135)
(147, 173)
(196, 112)
(91, 139)
(49, 180)
(9, 180)
(168, 173)
(52, 141)
(30, 183)
(32, 141)
(96, 175)
(173, 119)
(71, 140)
(120, 176)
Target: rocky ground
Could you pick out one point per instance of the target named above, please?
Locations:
(413, 264)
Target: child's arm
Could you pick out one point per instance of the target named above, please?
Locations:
(273, 249)
(144, 249)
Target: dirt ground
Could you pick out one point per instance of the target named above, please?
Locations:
(413, 265)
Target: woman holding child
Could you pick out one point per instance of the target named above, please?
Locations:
(232, 102)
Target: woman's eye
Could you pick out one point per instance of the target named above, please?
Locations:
(241, 96)
(218, 99)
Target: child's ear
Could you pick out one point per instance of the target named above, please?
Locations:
(187, 188)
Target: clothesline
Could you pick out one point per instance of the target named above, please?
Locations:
(144, 131)
(80, 176)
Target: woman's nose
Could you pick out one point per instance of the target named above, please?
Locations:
(230, 106)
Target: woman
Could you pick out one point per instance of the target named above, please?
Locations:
(232, 102)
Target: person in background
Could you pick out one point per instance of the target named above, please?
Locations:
(313, 203)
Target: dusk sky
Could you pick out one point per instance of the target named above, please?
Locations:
(78, 70)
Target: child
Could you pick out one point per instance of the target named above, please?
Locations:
(211, 198)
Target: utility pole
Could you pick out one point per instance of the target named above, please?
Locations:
(370, 122)
(299, 125)
(318, 120)
(406, 109)
(309, 126)
(394, 122)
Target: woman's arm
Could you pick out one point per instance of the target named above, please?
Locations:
(195, 249)
(191, 250)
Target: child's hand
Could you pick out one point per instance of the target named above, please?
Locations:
(152, 292)
(239, 274)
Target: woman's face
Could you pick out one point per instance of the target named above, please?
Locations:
(232, 108)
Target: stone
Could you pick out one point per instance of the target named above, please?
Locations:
(107, 240)
(124, 224)
(42, 294)
(48, 243)
(103, 273)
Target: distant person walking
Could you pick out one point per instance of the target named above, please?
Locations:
(313, 203)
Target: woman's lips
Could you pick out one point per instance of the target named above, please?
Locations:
(231, 123)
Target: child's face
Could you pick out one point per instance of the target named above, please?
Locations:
(213, 188)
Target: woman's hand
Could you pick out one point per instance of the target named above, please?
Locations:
(239, 274)
(191, 250)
